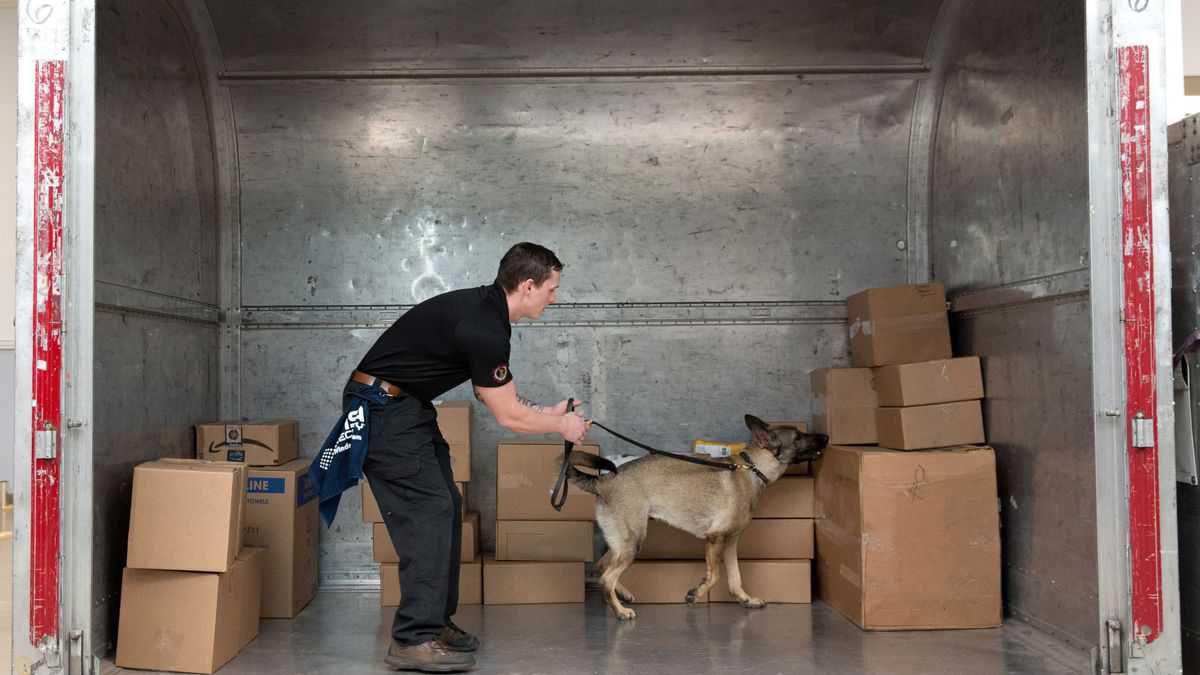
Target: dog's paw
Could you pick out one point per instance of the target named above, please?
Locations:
(626, 596)
(753, 603)
(626, 614)
(690, 598)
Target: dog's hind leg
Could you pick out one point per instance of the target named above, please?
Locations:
(733, 574)
(712, 569)
(622, 539)
(623, 593)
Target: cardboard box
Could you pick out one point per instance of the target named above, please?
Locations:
(709, 448)
(262, 443)
(192, 622)
(565, 540)
(470, 584)
(763, 539)
(844, 387)
(664, 581)
(781, 581)
(788, 497)
(909, 540)
(281, 518)
(847, 426)
(186, 515)
(525, 475)
(901, 324)
(370, 508)
(508, 582)
(454, 421)
(930, 426)
(385, 552)
(930, 382)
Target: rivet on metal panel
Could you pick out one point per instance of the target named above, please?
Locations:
(901, 245)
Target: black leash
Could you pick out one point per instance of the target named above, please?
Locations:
(558, 496)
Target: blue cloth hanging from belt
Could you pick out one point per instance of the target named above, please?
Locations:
(339, 465)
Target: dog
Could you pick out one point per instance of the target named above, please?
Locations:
(710, 503)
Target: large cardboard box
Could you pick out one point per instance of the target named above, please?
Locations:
(470, 584)
(901, 324)
(454, 421)
(788, 497)
(931, 426)
(846, 426)
(664, 581)
(909, 540)
(192, 622)
(763, 539)
(844, 387)
(385, 552)
(507, 582)
(943, 381)
(525, 475)
(782, 581)
(261, 443)
(281, 518)
(186, 515)
(370, 508)
(562, 540)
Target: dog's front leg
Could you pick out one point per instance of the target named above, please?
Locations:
(733, 574)
(712, 569)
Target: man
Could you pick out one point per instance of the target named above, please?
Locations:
(431, 349)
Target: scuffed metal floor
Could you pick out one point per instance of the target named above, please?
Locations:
(346, 634)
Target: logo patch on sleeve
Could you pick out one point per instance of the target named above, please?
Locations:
(500, 373)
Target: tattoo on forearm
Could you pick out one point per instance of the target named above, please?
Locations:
(530, 404)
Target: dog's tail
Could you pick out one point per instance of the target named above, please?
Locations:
(586, 481)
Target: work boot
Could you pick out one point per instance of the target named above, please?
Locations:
(456, 639)
(428, 657)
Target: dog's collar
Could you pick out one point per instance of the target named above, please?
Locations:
(749, 465)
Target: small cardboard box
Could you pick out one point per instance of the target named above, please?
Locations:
(531, 582)
(186, 515)
(664, 581)
(844, 387)
(900, 324)
(779, 581)
(281, 518)
(943, 381)
(525, 475)
(909, 540)
(370, 508)
(930, 426)
(846, 426)
(386, 553)
(763, 539)
(192, 622)
(454, 421)
(470, 584)
(262, 443)
(562, 540)
(788, 497)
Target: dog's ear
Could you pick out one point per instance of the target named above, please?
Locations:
(759, 430)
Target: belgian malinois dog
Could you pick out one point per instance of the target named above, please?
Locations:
(710, 503)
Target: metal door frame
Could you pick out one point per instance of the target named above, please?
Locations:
(52, 560)
(1137, 556)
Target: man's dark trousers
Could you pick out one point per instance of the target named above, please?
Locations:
(408, 467)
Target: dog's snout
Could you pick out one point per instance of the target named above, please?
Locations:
(822, 441)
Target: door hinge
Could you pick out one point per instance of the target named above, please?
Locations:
(45, 443)
(1143, 431)
(1115, 647)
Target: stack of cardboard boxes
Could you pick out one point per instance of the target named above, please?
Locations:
(906, 540)
(540, 552)
(454, 421)
(775, 550)
(190, 592)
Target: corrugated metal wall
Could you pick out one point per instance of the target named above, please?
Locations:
(1010, 240)
(156, 268)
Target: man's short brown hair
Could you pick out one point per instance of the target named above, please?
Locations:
(526, 261)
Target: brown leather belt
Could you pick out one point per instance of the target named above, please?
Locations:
(370, 380)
